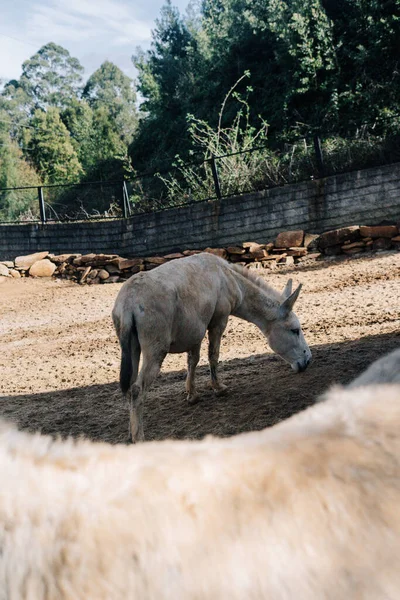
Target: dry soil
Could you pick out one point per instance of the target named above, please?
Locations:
(59, 357)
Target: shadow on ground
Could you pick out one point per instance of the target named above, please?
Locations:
(262, 391)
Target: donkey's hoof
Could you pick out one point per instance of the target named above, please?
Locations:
(221, 390)
(134, 439)
(137, 440)
(193, 399)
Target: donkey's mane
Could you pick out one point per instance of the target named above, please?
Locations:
(258, 281)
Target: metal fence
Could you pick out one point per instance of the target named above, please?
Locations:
(182, 183)
(65, 202)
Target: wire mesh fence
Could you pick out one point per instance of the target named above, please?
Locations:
(96, 200)
(64, 202)
(19, 205)
(245, 171)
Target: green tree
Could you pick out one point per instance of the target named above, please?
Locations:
(109, 85)
(16, 102)
(78, 118)
(234, 42)
(166, 67)
(51, 77)
(107, 138)
(111, 94)
(288, 49)
(286, 46)
(170, 82)
(366, 36)
(15, 171)
(305, 54)
(50, 148)
(15, 109)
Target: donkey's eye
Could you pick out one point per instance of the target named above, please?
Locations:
(295, 331)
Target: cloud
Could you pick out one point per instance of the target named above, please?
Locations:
(15, 52)
(107, 21)
(93, 29)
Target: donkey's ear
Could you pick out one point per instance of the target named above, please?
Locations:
(288, 289)
(287, 305)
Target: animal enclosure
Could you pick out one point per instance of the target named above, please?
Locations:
(59, 355)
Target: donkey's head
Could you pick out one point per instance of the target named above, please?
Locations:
(285, 335)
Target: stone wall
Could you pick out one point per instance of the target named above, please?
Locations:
(288, 249)
(368, 197)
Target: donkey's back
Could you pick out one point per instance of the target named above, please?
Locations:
(172, 305)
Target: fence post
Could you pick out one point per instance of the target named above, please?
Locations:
(123, 203)
(319, 156)
(126, 196)
(216, 178)
(42, 208)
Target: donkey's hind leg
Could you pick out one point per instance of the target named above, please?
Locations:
(150, 369)
(215, 331)
(193, 359)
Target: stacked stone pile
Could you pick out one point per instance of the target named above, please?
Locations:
(354, 240)
(289, 248)
(36, 265)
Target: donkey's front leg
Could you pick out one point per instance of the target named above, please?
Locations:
(214, 342)
(193, 359)
(149, 371)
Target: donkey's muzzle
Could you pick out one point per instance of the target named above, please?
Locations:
(303, 364)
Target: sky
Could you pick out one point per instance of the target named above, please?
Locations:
(91, 30)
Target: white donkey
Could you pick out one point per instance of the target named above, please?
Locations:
(169, 309)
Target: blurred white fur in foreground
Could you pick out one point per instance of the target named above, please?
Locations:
(383, 370)
(308, 509)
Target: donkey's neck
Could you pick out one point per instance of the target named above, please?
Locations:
(256, 303)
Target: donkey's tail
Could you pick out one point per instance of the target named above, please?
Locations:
(130, 356)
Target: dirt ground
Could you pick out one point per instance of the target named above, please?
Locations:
(59, 357)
